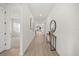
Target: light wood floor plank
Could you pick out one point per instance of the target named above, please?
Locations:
(39, 47)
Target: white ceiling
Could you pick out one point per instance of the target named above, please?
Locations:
(40, 11)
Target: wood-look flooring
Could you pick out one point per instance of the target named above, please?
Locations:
(14, 51)
(11, 52)
(39, 47)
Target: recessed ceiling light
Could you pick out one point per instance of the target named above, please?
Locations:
(40, 14)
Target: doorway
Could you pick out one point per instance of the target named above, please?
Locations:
(14, 39)
(15, 35)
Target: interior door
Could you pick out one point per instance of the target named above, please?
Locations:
(2, 30)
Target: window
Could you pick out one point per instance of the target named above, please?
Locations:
(16, 27)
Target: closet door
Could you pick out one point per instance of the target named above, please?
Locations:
(2, 30)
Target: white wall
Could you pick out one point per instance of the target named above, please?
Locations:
(67, 32)
(27, 34)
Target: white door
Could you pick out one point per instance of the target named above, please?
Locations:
(2, 30)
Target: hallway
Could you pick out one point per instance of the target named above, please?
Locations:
(39, 47)
(57, 22)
